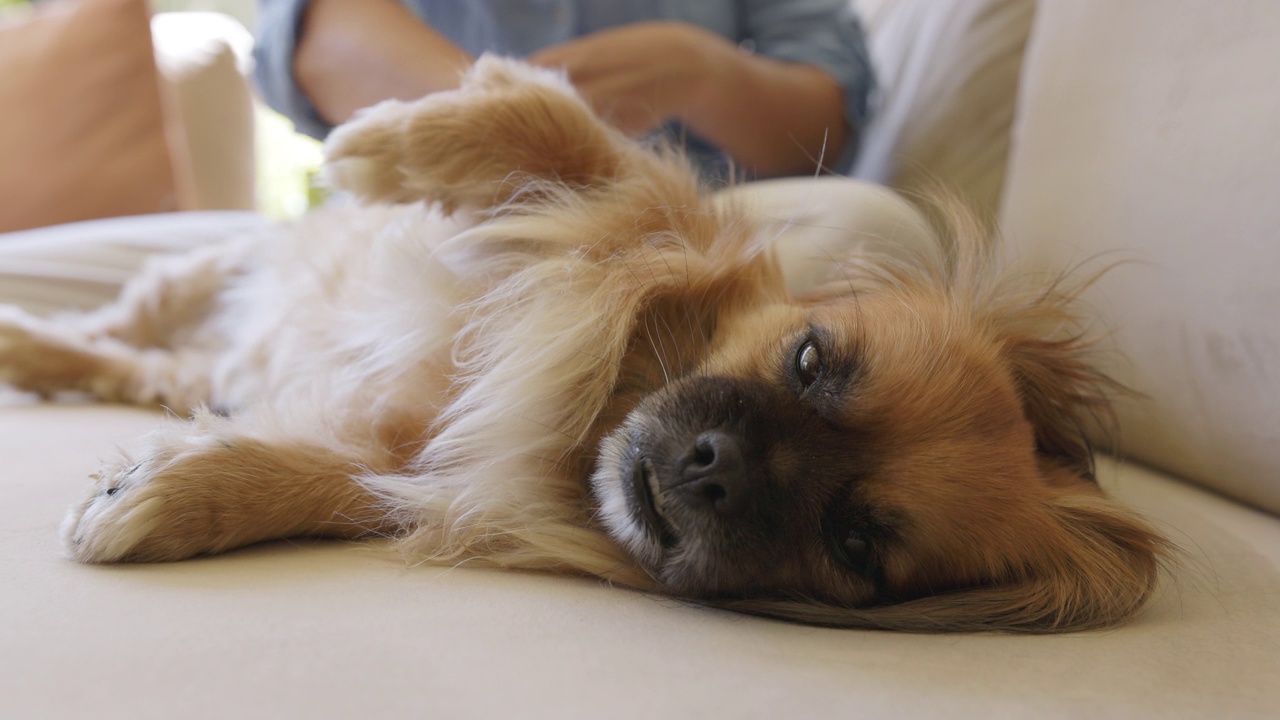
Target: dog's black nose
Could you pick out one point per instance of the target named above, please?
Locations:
(713, 474)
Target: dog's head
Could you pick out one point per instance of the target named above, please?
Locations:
(909, 449)
(906, 448)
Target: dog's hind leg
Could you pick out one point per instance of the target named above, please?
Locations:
(150, 347)
(47, 357)
(213, 484)
(169, 299)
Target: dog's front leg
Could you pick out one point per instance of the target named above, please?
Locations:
(510, 131)
(208, 486)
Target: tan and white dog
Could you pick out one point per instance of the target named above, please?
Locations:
(589, 367)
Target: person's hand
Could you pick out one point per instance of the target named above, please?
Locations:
(639, 76)
(351, 55)
(772, 117)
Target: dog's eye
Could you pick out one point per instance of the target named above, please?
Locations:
(808, 363)
(853, 550)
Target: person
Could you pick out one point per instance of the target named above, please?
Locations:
(783, 87)
(765, 88)
(776, 87)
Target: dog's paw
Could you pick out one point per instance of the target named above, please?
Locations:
(146, 510)
(373, 156)
(507, 124)
(363, 155)
(494, 72)
(121, 511)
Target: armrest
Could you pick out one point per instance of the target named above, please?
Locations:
(203, 59)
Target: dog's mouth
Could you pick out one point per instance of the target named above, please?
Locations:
(642, 479)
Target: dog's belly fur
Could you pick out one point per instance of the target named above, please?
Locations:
(347, 314)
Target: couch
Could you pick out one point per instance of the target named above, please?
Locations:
(1142, 131)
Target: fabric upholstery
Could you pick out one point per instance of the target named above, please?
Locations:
(1147, 134)
(336, 630)
(319, 630)
(83, 134)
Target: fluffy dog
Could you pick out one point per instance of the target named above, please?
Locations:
(588, 367)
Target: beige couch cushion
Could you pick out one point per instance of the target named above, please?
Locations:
(1150, 131)
(82, 134)
(333, 630)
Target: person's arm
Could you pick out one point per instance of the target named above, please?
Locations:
(354, 53)
(778, 118)
(772, 117)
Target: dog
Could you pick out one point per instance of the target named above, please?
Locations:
(537, 344)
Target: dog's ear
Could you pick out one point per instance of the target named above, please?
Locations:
(1065, 396)
(1051, 356)
(1105, 567)
(1044, 342)
(1066, 400)
(1097, 562)
(509, 130)
(1093, 565)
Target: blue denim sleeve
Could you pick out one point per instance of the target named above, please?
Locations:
(825, 33)
(278, 25)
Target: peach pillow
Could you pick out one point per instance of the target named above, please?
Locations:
(82, 133)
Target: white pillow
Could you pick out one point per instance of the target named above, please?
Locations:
(948, 73)
(84, 264)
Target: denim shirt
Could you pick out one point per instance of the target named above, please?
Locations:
(824, 33)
